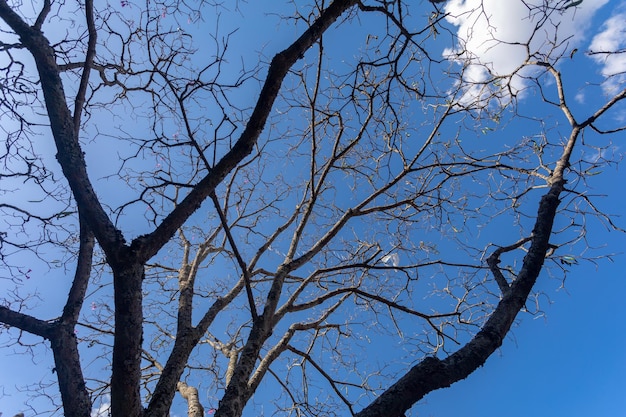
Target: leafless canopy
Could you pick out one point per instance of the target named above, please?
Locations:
(327, 218)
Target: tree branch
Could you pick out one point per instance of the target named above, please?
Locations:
(194, 408)
(70, 154)
(76, 296)
(79, 101)
(494, 260)
(431, 373)
(26, 322)
(148, 245)
(245, 272)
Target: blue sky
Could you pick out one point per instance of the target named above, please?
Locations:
(568, 361)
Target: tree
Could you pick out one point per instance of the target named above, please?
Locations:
(302, 227)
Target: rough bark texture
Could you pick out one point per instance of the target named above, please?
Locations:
(76, 400)
(127, 342)
(164, 391)
(25, 322)
(186, 338)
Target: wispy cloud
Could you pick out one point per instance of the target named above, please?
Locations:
(496, 37)
(603, 46)
(391, 259)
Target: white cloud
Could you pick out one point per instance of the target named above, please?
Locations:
(611, 38)
(103, 410)
(392, 258)
(496, 37)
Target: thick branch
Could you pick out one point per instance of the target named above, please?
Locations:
(80, 283)
(194, 408)
(26, 323)
(431, 373)
(76, 401)
(186, 341)
(79, 102)
(69, 152)
(494, 260)
(148, 245)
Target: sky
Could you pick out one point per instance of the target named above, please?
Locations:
(570, 360)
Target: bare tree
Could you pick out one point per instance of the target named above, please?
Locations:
(233, 246)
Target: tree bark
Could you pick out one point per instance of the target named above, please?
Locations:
(128, 339)
(76, 401)
(194, 408)
(69, 152)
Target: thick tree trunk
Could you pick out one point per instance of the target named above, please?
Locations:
(125, 380)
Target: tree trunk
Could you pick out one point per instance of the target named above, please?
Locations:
(125, 380)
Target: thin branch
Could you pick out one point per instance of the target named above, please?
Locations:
(331, 380)
(148, 245)
(79, 102)
(76, 296)
(242, 265)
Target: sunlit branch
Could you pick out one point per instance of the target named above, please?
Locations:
(608, 105)
(283, 343)
(190, 394)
